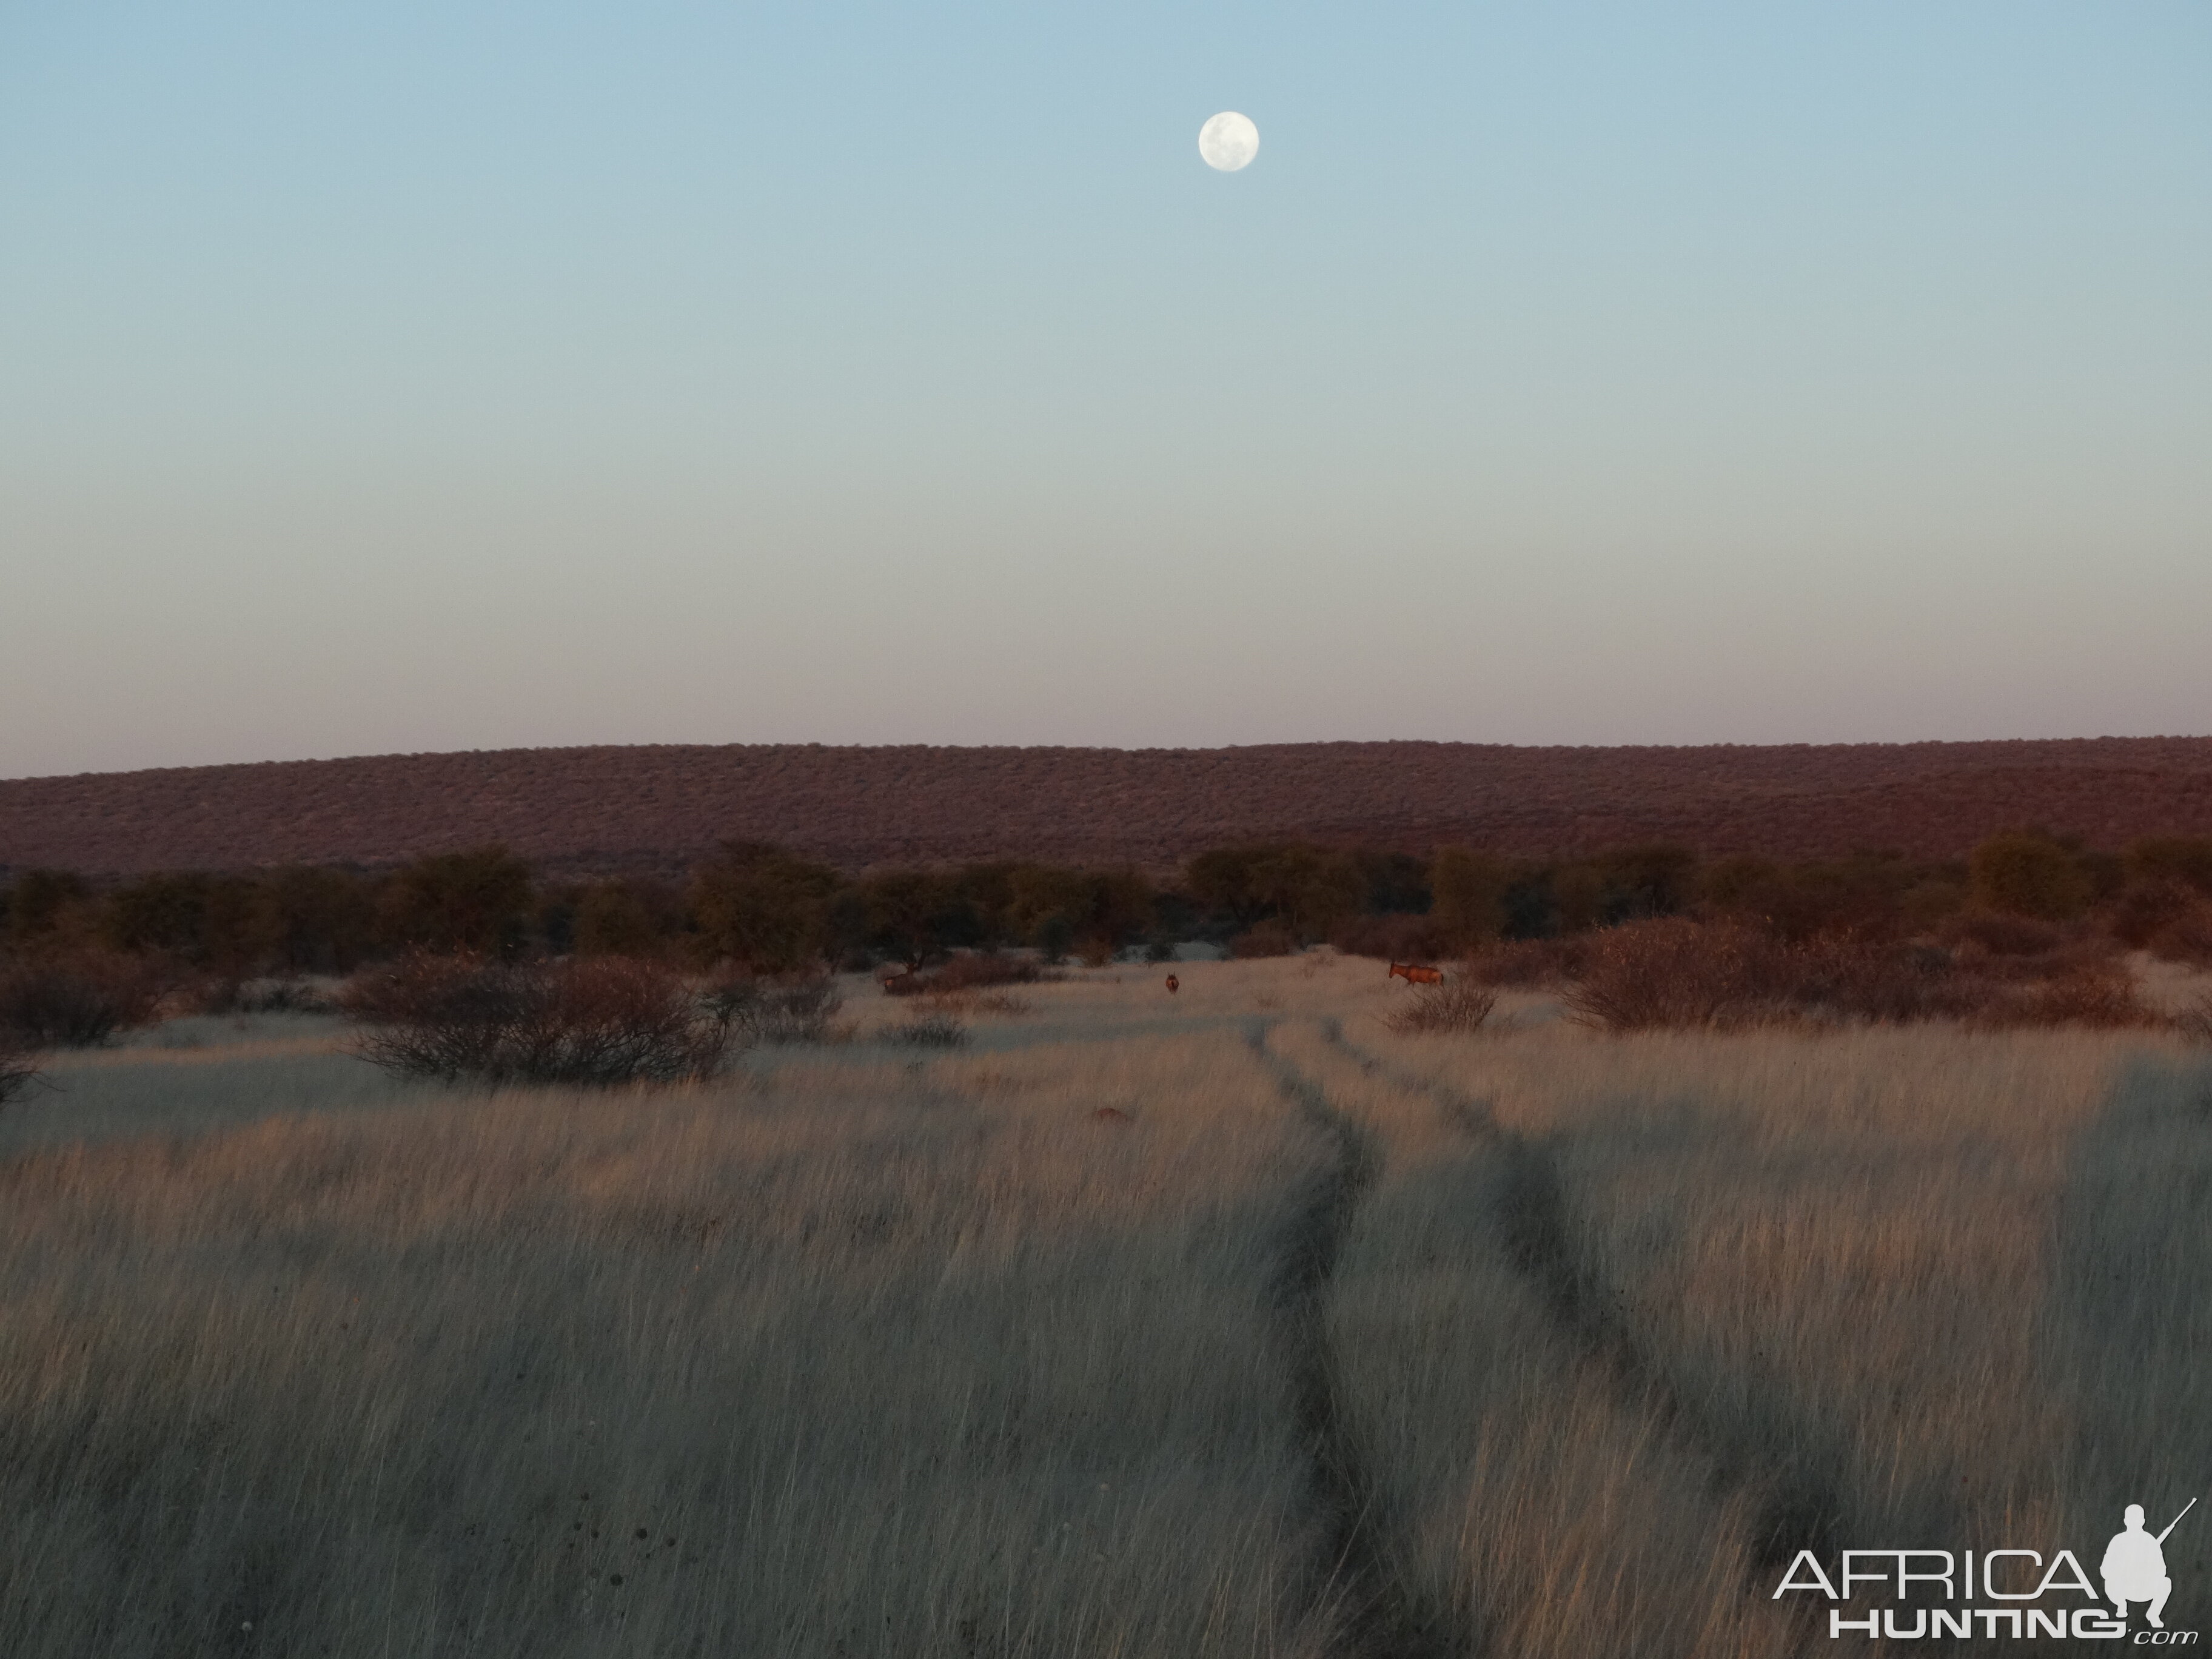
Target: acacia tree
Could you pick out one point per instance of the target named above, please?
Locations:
(477, 903)
(45, 907)
(762, 908)
(1468, 891)
(916, 913)
(2024, 874)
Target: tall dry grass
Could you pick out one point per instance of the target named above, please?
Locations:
(1228, 1322)
(860, 1359)
(1883, 1288)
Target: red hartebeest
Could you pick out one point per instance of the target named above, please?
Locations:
(1173, 985)
(1413, 975)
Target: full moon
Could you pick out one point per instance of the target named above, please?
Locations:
(1229, 141)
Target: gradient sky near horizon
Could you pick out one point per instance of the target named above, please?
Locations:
(452, 376)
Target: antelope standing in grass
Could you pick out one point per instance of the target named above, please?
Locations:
(1413, 975)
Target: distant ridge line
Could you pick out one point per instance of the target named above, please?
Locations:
(658, 807)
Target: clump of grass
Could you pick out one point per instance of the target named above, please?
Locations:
(600, 1021)
(966, 1004)
(1457, 1007)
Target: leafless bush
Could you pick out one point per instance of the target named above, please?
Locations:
(1458, 1005)
(2144, 909)
(1390, 938)
(969, 973)
(286, 995)
(1675, 972)
(1268, 939)
(788, 1011)
(1886, 982)
(1528, 963)
(2187, 937)
(602, 1020)
(931, 1030)
(1678, 973)
(79, 1001)
(19, 1071)
(2001, 935)
(2098, 994)
(2195, 1022)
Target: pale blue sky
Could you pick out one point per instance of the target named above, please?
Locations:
(414, 376)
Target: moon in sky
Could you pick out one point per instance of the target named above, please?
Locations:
(1229, 141)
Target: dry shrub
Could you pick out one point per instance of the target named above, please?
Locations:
(1266, 938)
(2187, 937)
(974, 973)
(2195, 1022)
(1528, 963)
(1390, 938)
(1675, 973)
(601, 1021)
(18, 1070)
(2000, 935)
(79, 1001)
(2144, 909)
(1886, 982)
(935, 1029)
(286, 994)
(1457, 1007)
(2098, 994)
(800, 1009)
(968, 973)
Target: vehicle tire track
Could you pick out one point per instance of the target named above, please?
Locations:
(1357, 1583)
(1795, 1505)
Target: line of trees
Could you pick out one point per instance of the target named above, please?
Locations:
(770, 910)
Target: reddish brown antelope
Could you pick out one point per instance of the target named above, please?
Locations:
(1173, 985)
(1416, 975)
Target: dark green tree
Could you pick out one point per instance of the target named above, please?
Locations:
(1469, 889)
(762, 908)
(2024, 874)
(478, 901)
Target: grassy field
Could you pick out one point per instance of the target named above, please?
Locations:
(1224, 1323)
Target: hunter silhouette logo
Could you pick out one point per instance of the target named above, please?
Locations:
(2133, 1570)
(2134, 1565)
